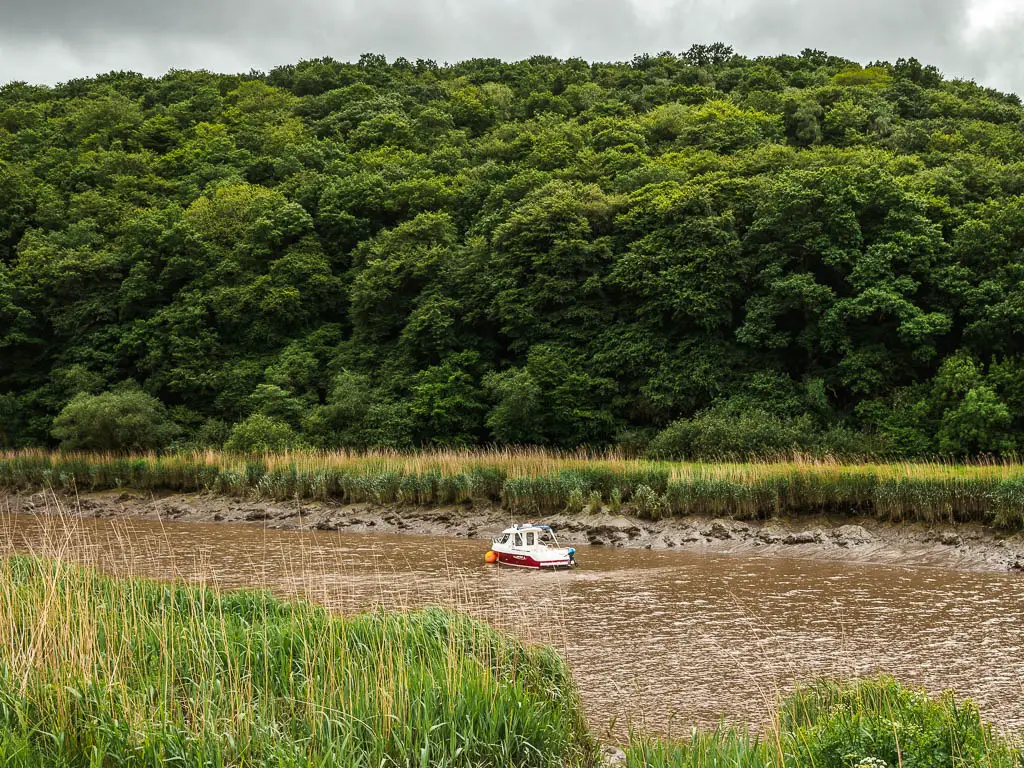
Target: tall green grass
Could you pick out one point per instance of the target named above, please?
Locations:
(96, 671)
(537, 482)
(867, 724)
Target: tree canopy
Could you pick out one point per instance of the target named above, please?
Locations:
(554, 252)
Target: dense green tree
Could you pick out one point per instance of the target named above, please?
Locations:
(446, 402)
(358, 416)
(124, 420)
(741, 255)
(516, 417)
(11, 420)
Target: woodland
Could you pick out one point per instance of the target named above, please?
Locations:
(689, 255)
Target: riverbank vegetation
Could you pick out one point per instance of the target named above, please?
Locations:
(543, 482)
(96, 670)
(101, 671)
(866, 724)
(699, 254)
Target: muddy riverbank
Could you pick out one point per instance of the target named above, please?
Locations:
(957, 547)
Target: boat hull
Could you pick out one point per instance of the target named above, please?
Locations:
(522, 560)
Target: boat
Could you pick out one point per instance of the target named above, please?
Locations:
(530, 546)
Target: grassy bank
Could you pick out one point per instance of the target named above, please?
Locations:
(869, 724)
(538, 482)
(101, 672)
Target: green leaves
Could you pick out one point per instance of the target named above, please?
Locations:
(546, 251)
(445, 402)
(980, 423)
(262, 434)
(516, 417)
(124, 420)
(398, 268)
(358, 416)
(683, 266)
(717, 125)
(249, 214)
(548, 257)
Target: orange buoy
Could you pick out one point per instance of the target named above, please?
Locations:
(491, 557)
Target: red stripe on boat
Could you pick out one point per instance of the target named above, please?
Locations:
(525, 561)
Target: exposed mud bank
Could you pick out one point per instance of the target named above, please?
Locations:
(855, 540)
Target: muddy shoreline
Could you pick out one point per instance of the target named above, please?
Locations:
(847, 539)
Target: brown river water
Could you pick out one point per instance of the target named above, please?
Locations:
(662, 641)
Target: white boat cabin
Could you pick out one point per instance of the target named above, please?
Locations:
(528, 537)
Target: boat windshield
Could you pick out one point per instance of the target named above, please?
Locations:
(504, 538)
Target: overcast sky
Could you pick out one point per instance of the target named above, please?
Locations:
(49, 41)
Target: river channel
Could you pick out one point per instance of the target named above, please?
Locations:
(661, 641)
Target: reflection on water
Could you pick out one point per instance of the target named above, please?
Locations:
(664, 640)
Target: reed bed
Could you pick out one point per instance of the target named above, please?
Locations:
(96, 671)
(867, 724)
(534, 481)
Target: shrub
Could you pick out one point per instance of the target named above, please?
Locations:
(634, 443)
(213, 433)
(841, 442)
(835, 724)
(647, 502)
(261, 434)
(575, 502)
(615, 501)
(867, 724)
(128, 420)
(979, 423)
(720, 433)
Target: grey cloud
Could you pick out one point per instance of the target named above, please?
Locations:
(53, 40)
(869, 30)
